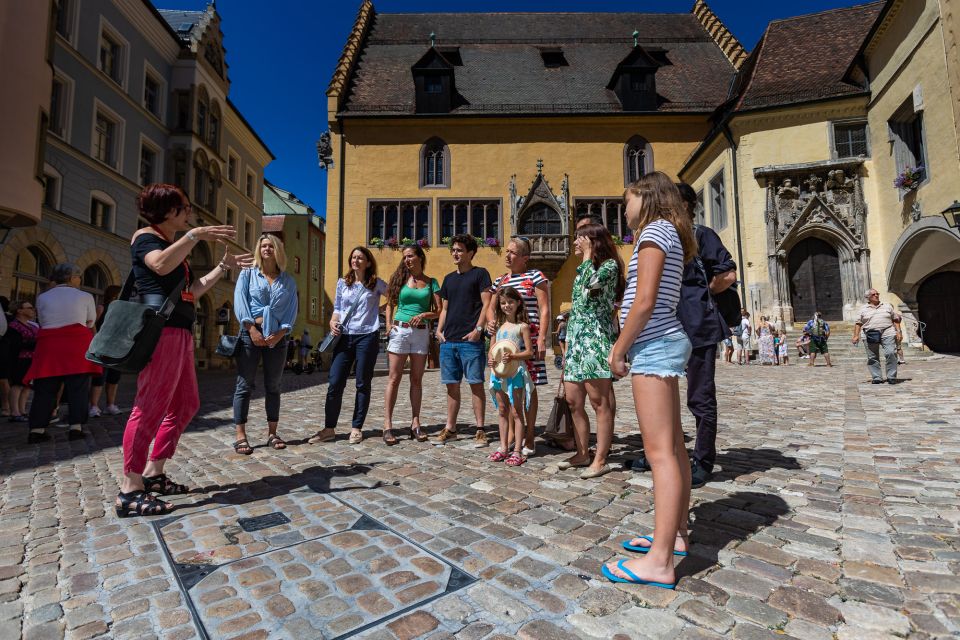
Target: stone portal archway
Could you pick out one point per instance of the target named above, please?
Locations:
(815, 281)
(817, 253)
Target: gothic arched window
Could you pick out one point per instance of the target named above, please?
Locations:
(637, 159)
(435, 164)
(541, 220)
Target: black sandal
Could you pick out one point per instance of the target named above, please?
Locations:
(163, 485)
(242, 444)
(276, 442)
(140, 503)
(388, 438)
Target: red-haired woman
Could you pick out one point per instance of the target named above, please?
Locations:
(167, 397)
(356, 319)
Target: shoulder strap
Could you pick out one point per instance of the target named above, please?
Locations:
(127, 289)
(353, 307)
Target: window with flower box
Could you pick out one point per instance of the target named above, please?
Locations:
(390, 221)
(479, 218)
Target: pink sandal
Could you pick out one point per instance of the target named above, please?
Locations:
(497, 456)
(515, 459)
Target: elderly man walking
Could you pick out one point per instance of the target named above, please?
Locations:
(880, 325)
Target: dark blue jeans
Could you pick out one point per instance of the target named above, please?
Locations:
(363, 350)
(248, 357)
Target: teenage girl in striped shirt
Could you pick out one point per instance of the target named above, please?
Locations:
(654, 348)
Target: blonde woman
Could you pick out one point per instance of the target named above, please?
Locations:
(265, 301)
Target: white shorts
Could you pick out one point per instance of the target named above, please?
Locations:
(404, 340)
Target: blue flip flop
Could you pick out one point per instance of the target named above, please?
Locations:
(612, 577)
(630, 547)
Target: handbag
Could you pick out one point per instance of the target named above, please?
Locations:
(131, 330)
(727, 302)
(560, 423)
(330, 340)
(227, 346)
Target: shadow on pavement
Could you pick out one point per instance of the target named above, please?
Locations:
(733, 518)
(734, 463)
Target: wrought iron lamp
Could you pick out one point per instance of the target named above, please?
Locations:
(952, 215)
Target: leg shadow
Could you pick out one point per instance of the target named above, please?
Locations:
(719, 523)
(740, 461)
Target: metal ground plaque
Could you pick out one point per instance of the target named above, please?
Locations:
(301, 566)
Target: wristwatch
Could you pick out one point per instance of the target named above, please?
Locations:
(191, 236)
(480, 329)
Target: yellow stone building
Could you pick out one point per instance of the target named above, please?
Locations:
(826, 112)
(502, 124)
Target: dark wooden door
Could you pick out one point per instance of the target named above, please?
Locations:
(815, 280)
(938, 300)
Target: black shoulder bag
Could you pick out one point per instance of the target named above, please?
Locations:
(330, 340)
(728, 301)
(131, 330)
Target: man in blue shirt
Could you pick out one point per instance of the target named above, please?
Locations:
(705, 327)
(819, 331)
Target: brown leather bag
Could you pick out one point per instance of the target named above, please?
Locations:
(560, 423)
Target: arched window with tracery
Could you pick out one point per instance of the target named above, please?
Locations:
(435, 164)
(95, 281)
(31, 272)
(637, 159)
(541, 220)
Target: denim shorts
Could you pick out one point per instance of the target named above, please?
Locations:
(460, 360)
(664, 357)
(405, 340)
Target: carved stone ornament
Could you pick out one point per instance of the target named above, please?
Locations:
(813, 182)
(915, 212)
(325, 151)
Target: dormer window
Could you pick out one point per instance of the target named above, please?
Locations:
(634, 81)
(433, 80)
(553, 58)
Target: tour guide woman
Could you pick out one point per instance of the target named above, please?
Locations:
(167, 396)
(265, 301)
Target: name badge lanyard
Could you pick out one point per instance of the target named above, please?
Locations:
(186, 295)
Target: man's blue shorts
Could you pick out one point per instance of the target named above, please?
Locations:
(460, 360)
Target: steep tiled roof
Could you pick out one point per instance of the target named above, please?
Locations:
(805, 58)
(183, 22)
(503, 70)
(272, 224)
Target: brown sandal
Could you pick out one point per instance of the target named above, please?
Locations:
(416, 433)
(388, 438)
(276, 442)
(242, 447)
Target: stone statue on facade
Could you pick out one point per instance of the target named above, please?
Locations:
(325, 151)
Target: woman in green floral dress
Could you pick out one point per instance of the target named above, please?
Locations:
(590, 335)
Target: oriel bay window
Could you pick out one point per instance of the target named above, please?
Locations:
(393, 220)
(609, 210)
(479, 218)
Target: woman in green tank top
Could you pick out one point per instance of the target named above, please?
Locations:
(412, 300)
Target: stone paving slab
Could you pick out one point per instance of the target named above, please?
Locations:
(834, 514)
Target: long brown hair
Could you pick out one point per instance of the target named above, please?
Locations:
(604, 249)
(369, 275)
(660, 200)
(402, 274)
(513, 294)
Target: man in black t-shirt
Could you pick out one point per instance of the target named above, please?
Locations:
(465, 296)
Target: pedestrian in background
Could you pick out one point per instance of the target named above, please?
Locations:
(819, 332)
(464, 296)
(7, 357)
(879, 323)
(66, 316)
(743, 338)
(654, 348)
(306, 344)
(22, 333)
(765, 330)
(358, 296)
(167, 396)
(265, 301)
(109, 378)
(413, 300)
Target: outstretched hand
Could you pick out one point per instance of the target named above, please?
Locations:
(239, 260)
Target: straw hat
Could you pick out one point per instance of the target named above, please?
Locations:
(504, 369)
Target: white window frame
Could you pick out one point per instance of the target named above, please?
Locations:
(120, 124)
(73, 22)
(719, 176)
(124, 62)
(252, 191)
(149, 71)
(236, 213)
(48, 170)
(158, 166)
(107, 199)
(66, 104)
(236, 156)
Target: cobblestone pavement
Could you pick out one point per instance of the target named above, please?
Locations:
(834, 515)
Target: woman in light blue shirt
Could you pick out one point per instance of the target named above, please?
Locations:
(356, 319)
(265, 301)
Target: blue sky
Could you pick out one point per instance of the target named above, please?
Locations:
(282, 53)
